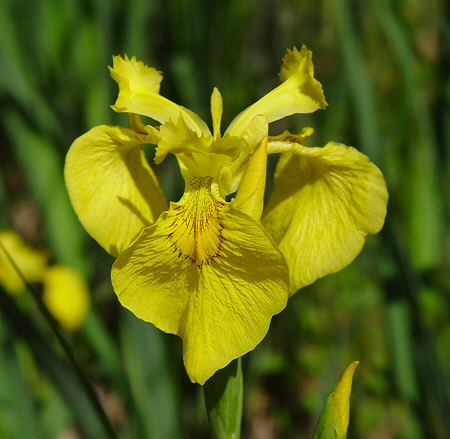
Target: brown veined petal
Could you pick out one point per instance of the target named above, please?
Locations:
(208, 273)
(326, 200)
(112, 188)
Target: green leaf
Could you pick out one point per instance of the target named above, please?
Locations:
(103, 345)
(84, 411)
(16, 403)
(333, 421)
(152, 383)
(426, 214)
(402, 341)
(359, 83)
(223, 399)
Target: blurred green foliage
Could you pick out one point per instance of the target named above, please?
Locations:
(385, 68)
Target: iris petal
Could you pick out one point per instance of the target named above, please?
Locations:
(112, 188)
(326, 200)
(299, 93)
(216, 111)
(177, 137)
(250, 196)
(221, 309)
(139, 93)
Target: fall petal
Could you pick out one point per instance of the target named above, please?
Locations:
(112, 188)
(326, 200)
(220, 304)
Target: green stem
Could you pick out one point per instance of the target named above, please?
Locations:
(223, 399)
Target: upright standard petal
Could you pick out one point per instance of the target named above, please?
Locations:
(112, 188)
(208, 273)
(241, 151)
(216, 111)
(139, 93)
(326, 200)
(250, 196)
(299, 93)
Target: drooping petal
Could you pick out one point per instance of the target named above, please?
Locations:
(208, 273)
(139, 93)
(112, 189)
(326, 200)
(299, 93)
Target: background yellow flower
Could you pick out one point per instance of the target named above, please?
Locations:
(31, 263)
(67, 296)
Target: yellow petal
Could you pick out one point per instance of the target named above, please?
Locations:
(294, 60)
(216, 111)
(326, 200)
(202, 155)
(240, 150)
(194, 153)
(287, 136)
(139, 93)
(112, 189)
(134, 76)
(250, 196)
(178, 137)
(30, 262)
(208, 273)
(66, 296)
(299, 93)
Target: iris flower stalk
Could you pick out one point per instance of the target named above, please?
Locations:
(212, 271)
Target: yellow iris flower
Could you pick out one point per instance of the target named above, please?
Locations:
(211, 271)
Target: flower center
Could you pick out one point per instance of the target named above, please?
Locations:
(197, 229)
